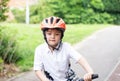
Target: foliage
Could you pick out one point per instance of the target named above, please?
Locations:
(3, 9)
(1, 65)
(97, 5)
(75, 11)
(19, 15)
(112, 6)
(117, 18)
(1, 61)
(39, 11)
(8, 46)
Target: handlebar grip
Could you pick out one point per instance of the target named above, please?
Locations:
(94, 76)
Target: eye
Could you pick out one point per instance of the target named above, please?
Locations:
(57, 34)
(48, 33)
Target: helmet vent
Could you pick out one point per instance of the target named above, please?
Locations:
(57, 20)
(46, 20)
(51, 20)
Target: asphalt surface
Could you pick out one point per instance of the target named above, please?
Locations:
(101, 49)
(115, 74)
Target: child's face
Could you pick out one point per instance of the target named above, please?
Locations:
(53, 37)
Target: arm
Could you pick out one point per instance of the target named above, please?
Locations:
(40, 74)
(83, 62)
(38, 65)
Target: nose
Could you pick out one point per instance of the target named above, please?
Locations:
(52, 36)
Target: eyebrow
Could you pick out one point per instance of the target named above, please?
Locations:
(56, 31)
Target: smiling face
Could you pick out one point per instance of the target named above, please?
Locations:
(53, 37)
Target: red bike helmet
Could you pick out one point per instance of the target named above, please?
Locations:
(53, 22)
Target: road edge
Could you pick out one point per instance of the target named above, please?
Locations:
(107, 78)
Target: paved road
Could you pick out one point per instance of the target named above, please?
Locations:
(102, 50)
(115, 74)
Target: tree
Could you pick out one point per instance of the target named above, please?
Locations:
(112, 5)
(3, 9)
(40, 11)
(79, 11)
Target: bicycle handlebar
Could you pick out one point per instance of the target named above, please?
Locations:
(94, 76)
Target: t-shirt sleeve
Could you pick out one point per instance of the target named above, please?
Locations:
(75, 55)
(38, 65)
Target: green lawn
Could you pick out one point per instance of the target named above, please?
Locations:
(29, 36)
(77, 32)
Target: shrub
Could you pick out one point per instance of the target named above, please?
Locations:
(8, 46)
(35, 19)
(3, 9)
(112, 5)
(1, 64)
(19, 15)
(117, 18)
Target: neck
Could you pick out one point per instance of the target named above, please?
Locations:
(55, 47)
(51, 48)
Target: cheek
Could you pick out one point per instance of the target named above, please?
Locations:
(58, 37)
(47, 37)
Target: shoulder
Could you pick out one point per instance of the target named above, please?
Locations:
(41, 46)
(66, 45)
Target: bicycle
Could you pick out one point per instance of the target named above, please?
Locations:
(71, 76)
(94, 76)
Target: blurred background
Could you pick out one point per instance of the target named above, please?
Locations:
(20, 32)
(73, 12)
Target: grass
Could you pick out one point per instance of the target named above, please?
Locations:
(77, 32)
(29, 36)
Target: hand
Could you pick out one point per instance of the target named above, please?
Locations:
(88, 77)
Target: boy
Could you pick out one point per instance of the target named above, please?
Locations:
(52, 59)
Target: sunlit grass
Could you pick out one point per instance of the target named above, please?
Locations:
(77, 32)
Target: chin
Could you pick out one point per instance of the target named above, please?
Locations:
(54, 45)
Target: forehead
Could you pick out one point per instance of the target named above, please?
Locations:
(53, 30)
